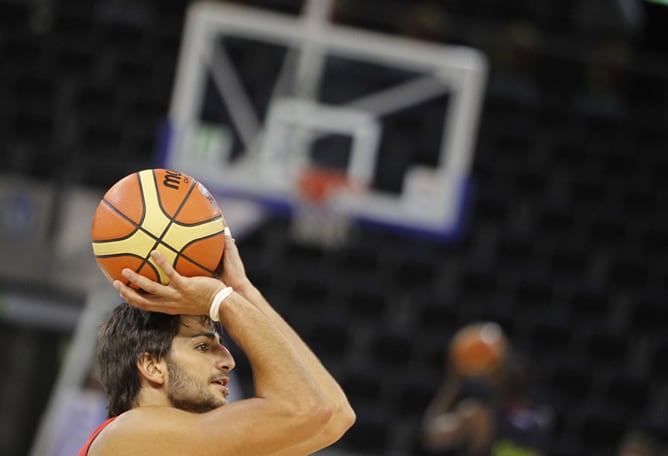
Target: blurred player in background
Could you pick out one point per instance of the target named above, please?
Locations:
(479, 411)
(166, 373)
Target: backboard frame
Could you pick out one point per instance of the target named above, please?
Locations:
(434, 200)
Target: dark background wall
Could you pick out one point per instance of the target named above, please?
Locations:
(565, 244)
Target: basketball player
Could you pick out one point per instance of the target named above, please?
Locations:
(166, 373)
(486, 415)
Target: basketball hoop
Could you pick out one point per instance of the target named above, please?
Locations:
(313, 221)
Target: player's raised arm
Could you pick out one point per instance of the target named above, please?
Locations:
(344, 416)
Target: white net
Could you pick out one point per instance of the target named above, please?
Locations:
(314, 221)
(315, 224)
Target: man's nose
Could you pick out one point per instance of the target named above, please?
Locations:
(225, 360)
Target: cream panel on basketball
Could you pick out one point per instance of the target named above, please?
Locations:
(155, 222)
(178, 236)
(139, 244)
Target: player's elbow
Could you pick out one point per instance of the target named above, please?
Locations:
(348, 417)
(314, 411)
(305, 421)
(318, 415)
(343, 419)
(323, 412)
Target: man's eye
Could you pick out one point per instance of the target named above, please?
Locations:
(202, 347)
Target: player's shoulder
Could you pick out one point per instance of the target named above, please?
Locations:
(145, 419)
(141, 429)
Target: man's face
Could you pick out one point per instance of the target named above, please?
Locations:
(198, 368)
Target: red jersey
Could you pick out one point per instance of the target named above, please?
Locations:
(84, 450)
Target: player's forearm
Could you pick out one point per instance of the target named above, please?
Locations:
(319, 372)
(329, 386)
(278, 369)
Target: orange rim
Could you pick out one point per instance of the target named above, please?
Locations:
(317, 184)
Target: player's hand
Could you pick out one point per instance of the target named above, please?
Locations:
(233, 272)
(183, 295)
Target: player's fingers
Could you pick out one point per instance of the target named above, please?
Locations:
(231, 246)
(130, 295)
(233, 266)
(148, 302)
(144, 283)
(173, 276)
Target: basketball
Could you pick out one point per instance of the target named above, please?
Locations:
(478, 348)
(158, 209)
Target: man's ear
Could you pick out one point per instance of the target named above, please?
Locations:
(152, 369)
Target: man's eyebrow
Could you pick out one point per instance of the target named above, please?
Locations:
(208, 334)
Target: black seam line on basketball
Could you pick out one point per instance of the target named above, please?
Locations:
(155, 270)
(127, 282)
(144, 207)
(114, 255)
(138, 226)
(127, 219)
(196, 263)
(158, 241)
(203, 222)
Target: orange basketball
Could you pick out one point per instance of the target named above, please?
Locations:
(478, 348)
(158, 209)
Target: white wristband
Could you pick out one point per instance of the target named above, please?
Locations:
(217, 300)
